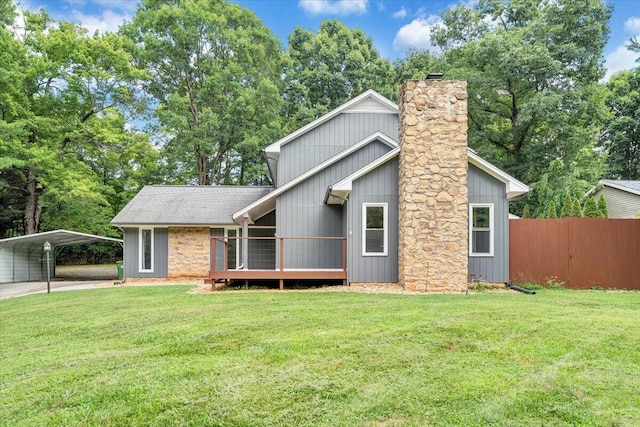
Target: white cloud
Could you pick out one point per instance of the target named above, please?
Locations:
(107, 20)
(632, 25)
(337, 7)
(620, 59)
(416, 34)
(380, 6)
(400, 14)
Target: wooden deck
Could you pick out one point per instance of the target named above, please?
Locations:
(280, 273)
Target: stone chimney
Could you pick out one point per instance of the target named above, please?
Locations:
(433, 206)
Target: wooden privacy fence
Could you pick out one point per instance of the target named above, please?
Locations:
(581, 252)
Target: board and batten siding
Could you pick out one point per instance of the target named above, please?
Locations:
(378, 186)
(483, 188)
(620, 204)
(301, 211)
(132, 254)
(330, 138)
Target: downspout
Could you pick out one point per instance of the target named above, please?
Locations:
(124, 275)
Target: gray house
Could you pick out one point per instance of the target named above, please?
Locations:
(623, 197)
(371, 192)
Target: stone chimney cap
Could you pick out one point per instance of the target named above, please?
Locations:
(434, 76)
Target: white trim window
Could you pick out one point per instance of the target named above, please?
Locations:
(375, 229)
(145, 244)
(481, 229)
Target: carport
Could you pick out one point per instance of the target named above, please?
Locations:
(22, 258)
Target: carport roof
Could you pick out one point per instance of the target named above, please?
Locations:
(57, 238)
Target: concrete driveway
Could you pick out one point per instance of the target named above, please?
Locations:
(18, 289)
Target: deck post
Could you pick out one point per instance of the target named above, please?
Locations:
(212, 263)
(281, 262)
(344, 260)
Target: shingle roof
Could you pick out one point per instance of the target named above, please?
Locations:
(630, 186)
(187, 205)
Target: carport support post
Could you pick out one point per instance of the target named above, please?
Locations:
(47, 249)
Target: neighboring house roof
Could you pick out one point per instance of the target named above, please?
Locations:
(187, 205)
(632, 187)
(338, 192)
(367, 102)
(268, 202)
(57, 238)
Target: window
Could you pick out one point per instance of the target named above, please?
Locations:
(375, 229)
(481, 230)
(146, 249)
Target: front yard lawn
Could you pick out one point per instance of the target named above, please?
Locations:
(162, 356)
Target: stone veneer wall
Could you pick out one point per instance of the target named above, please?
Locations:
(189, 252)
(433, 204)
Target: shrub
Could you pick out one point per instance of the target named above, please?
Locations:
(602, 206)
(576, 210)
(567, 207)
(551, 210)
(591, 208)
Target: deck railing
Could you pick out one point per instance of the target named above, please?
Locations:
(278, 258)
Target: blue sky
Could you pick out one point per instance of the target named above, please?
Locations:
(394, 25)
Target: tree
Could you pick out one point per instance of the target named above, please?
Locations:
(62, 86)
(620, 136)
(533, 85)
(591, 208)
(214, 72)
(560, 180)
(326, 69)
(567, 207)
(551, 210)
(602, 207)
(576, 209)
(526, 212)
(417, 65)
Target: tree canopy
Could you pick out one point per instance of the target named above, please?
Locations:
(212, 87)
(214, 72)
(620, 136)
(62, 115)
(324, 70)
(534, 96)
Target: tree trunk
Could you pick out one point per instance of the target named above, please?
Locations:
(202, 170)
(32, 210)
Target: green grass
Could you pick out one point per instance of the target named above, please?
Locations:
(161, 356)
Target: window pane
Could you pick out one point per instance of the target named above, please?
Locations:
(146, 249)
(375, 217)
(374, 241)
(481, 217)
(481, 242)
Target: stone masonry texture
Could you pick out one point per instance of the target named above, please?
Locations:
(433, 202)
(189, 252)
